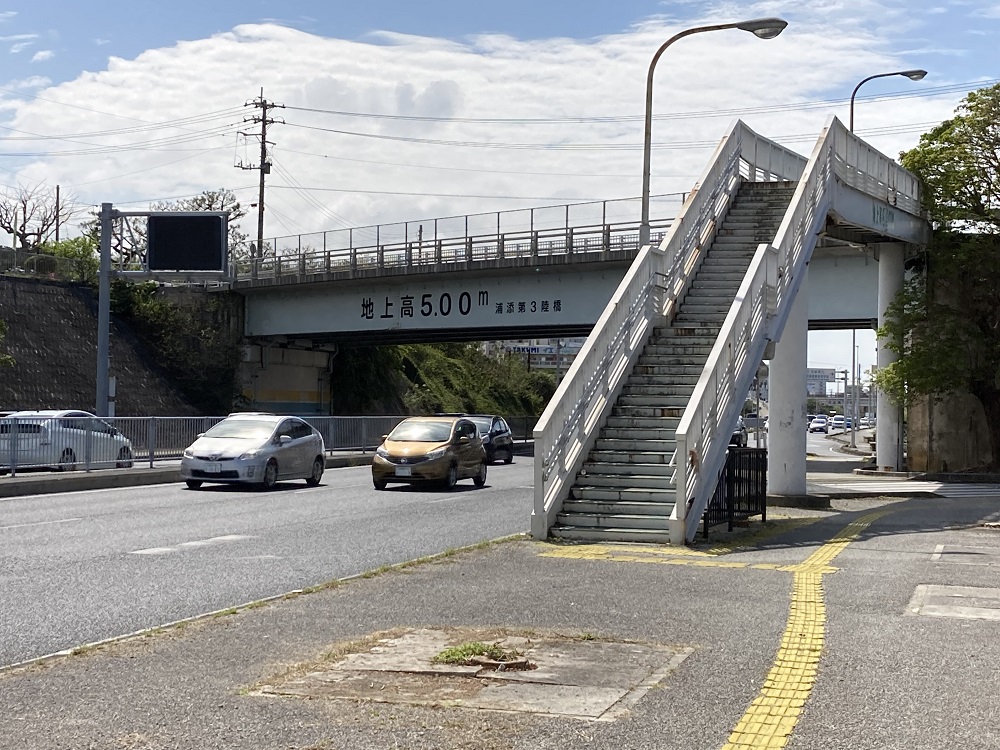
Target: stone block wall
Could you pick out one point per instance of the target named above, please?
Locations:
(52, 334)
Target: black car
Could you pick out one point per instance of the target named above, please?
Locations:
(498, 440)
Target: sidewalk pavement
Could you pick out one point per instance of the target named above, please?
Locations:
(870, 624)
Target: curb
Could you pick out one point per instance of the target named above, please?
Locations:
(53, 482)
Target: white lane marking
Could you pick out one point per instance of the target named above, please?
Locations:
(188, 545)
(39, 523)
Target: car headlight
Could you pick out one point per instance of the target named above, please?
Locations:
(486, 439)
(436, 453)
(250, 454)
(381, 452)
(188, 453)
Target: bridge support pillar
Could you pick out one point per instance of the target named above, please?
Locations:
(786, 427)
(888, 416)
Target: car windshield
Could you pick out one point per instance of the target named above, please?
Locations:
(422, 432)
(483, 423)
(242, 429)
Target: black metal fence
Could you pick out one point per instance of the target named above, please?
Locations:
(741, 491)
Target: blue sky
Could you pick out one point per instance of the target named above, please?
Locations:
(523, 103)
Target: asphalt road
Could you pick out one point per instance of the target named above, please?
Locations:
(84, 566)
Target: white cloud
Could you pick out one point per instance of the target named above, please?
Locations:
(34, 82)
(19, 47)
(43, 55)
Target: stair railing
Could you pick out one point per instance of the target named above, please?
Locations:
(647, 297)
(762, 306)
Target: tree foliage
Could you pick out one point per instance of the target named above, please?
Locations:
(431, 378)
(945, 323)
(463, 378)
(80, 258)
(193, 344)
(5, 359)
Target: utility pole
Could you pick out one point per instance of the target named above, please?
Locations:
(263, 166)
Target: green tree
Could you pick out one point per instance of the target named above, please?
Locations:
(945, 323)
(5, 359)
(81, 258)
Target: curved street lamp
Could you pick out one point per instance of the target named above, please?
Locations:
(913, 75)
(764, 28)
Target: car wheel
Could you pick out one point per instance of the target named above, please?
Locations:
(124, 458)
(270, 477)
(509, 459)
(480, 479)
(67, 461)
(192, 484)
(380, 484)
(317, 472)
(451, 478)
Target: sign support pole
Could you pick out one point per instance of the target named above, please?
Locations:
(104, 313)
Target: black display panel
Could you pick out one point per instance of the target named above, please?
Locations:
(187, 242)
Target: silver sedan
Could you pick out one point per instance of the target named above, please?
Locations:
(255, 448)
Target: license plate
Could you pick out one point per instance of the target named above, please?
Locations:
(404, 471)
(213, 468)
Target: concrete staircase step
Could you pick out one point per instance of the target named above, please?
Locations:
(645, 459)
(626, 508)
(609, 534)
(606, 494)
(637, 433)
(663, 446)
(647, 410)
(618, 521)
(592, 468)
(629, 482)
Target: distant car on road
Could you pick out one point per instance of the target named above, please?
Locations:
(255, 448)
(866, 422)
(428, 450)
(61, 439)
(819, 424)
(838, 422)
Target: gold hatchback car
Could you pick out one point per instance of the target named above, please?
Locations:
(430, 450)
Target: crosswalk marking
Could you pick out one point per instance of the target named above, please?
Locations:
(189, 545)
(902, 487)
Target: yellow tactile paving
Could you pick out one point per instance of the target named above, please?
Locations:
(770, 720)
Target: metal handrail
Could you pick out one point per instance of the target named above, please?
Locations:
(600, 226)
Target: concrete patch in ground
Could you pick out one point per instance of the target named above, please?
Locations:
(582, 678)
(948, 553)
(963, 602)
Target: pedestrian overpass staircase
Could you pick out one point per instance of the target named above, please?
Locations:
(631, 446)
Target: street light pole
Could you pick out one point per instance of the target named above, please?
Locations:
(913, 75)
(763, 28)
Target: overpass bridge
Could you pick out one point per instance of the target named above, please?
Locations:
(768, 244)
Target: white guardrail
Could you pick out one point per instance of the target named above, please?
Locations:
(123, 442)
(763, 304)
(86, 443)
(646, 297)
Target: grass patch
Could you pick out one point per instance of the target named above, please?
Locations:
(465, 653)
